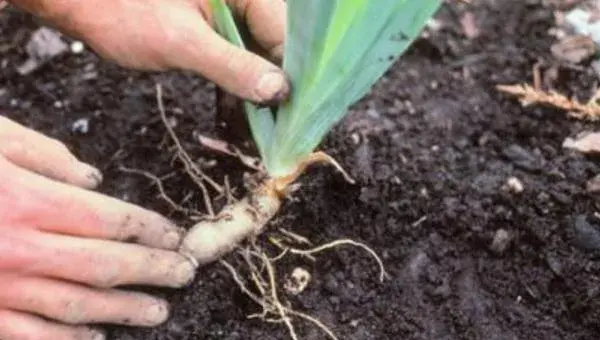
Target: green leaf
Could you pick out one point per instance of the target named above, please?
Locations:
(261, 120)
(335, 51)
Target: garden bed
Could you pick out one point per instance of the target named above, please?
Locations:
(432, 149)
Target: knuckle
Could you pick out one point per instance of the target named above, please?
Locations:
(236, 60)
(12, 148)
(106, 273)
(74, 312)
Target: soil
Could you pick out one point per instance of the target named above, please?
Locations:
(432, 148)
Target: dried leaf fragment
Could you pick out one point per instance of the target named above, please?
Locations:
(586, 142)
(528, 95)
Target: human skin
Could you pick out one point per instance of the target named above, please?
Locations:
(66, 250)
(178, 34)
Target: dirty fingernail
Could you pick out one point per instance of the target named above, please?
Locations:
(184, 273)
(157, 313)
(93, 176)
(272, 87)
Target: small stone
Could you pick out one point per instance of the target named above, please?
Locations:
(513, 184)
(501, 241)
(522, 158)
(44, 44)
(593, 185)
(81, 125)
(554, 265)
(77, 47)
(587, 236)
(297, 281)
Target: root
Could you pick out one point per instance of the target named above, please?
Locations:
(529, 95)
(212, 238)
(273, 309)
(159, 184)
(282, 183)
(310, 252)
(262, 275)
(197, 175)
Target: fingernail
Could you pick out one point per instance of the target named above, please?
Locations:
(272, 87)
(172, 239)
(184, 273)
(157, 313)
(96, 334)
(93, 176)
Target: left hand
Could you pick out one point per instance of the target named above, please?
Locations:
(66, 251)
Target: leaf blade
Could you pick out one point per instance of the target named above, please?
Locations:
(360, 40)
(261, 120)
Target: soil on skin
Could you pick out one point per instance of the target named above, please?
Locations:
(432, 148)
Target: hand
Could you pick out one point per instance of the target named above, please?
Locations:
(177, 34)
(64, 249)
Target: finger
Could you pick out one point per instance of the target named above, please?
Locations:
(34, 151)
(266, 21)
(29, 199)
(76, 305)
(20, 326)
(236, 70)
(97, 263)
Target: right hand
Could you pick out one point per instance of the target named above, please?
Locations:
(178, 34)
(65, 250)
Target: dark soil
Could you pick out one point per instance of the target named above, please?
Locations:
(432, 148)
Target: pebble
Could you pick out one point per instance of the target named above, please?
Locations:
(81, 125)
(593, 185)
(554, 264)
(44, 44)
(587, 236)
(513, 184)
(77, 47)
(501, 241)
(522, 158)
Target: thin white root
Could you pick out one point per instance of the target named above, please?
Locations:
(283, 312)
(322, 157)
(210, 239)
(273, 310)
(309, 252)
(161, 189)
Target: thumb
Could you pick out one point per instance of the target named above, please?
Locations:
(236, 70)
